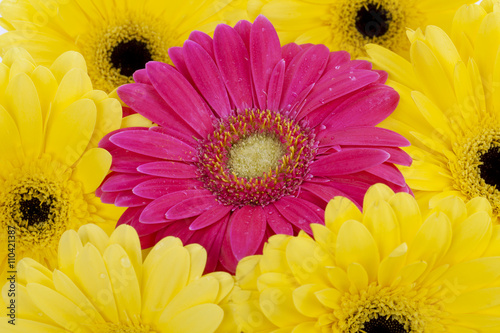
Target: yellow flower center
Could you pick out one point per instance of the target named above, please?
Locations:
(114, 52)
(40, 201)
(358, 22)
(255, 155)
(387, 309)
(475, 170)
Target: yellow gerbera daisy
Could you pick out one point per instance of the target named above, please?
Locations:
(50, 123)
(450, 106)
(115, 37)
(350, 24)
(102, 285)
(388, 269)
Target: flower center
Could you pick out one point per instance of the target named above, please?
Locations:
(116, 50)
(255, 158)
(255, 155)
(130, 56)
(489, 169)
(475, 170)
(383, 324)
(372, 20)
(35, 207)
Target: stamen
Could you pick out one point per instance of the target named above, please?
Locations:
(382, 324)
(34, 207)
(130, 56)
(489, 169)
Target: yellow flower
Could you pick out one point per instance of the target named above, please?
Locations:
(350, 24)
(50, 123)
(115, 37)
(388, 269)
(450, 107)
(102, 285)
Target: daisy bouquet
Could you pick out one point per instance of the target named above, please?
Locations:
(249, 166)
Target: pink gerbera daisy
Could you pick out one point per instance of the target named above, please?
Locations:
(253, 139)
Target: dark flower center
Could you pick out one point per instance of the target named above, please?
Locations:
(372, 20)
(490, 169)
(130, 56)
(34, 210)
(383, 324)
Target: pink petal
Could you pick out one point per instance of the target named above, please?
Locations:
(127, 161)
(275, 88)
(108, 145)
(145, 100)
(177, 133)
(336, 59)
(180, 95)
(361, 64)
(148, 241)
(109, 197)
(348, 161)
(177, 229)
(247, 229)
(211, 239)
(154, 144)
(207, 78)
(334, 85)
(398, 156)
(289, 51)
(155, 211)
(370, 106)
(123, 181)
(158, 187)
(192, 206)
(299, 212)
(389, 173)
(141, 76)
(383, 76)
(169, 169)
(243, 28)
(265, 52)
(277, 222)
(233, 61)
(209, 217)
(129, 199)
(144, 229)
(204, 41)
(176, 54)
(361, 136)
(129, 215)
(323, 191)
(304, 70)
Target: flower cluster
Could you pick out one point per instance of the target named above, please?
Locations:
(250, 166)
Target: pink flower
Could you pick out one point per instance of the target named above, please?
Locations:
(253, 139)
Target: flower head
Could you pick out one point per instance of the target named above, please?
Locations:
(449, 107)
(102, 285)
(50, 123)
(388, 269)
(350, 24)
(115, 37)
(252, 139)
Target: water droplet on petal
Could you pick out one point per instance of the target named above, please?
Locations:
(102, 276)
(125, 262)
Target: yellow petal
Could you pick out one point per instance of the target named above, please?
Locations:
(308, 261)
(204, 318)
(198, 256)
(73, 86)
(60, 309)
(127, 238)
(277, 305)
(407, 212)
(358, 276)
(163, 281)
(391, 265)
(381, 221)
(226, 284)
(66, 287)
(338, 278)
(247, 272)
(432, 240)
(25, 325)
(69, 131)
(330, 297)
(109, 118)
(92, 168)
(23, 104)
(11, 148)
(339, 210)
(91, 233)
(46, 86)
(126, 289)
(94, 281)
(454, 207)
(475, 301)
(21, 66)
(202, 291)
(306, 302)
(356, 244)
(69, 246)
(67, 61)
